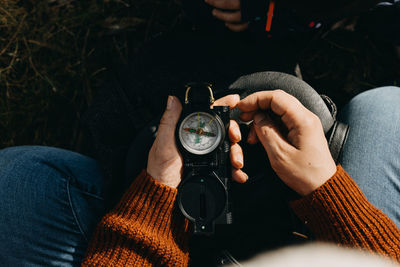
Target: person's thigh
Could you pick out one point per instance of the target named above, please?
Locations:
(51, 200)
(372, 152)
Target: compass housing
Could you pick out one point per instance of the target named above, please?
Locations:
(201, 132)
(201, 136)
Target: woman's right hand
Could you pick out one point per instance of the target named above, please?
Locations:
(299, 152)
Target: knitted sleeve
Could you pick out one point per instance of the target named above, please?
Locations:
(339, 212)
(144, 229)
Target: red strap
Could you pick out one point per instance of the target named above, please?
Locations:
(270, 15)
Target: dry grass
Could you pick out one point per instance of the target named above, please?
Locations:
(54, 55)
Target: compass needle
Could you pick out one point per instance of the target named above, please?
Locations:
(200, 132)
(198, 119)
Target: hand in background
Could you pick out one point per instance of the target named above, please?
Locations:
(164, 160)
(229, 12)
(298, 151)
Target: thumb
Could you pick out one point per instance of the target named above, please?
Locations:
(269, 135)
(166, 129)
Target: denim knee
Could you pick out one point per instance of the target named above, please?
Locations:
(51, 201)
(379, 99)
(371, 152)
(80, 170)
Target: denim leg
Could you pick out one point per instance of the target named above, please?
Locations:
(51, 199)
(372, 153)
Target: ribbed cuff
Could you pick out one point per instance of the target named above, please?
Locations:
(338, 211)
(147, 200)
(150, 206)
(144, 229)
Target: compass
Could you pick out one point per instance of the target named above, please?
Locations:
(200, 133)
(203, 194)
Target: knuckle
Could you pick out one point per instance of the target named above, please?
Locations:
(220, 15)
(279, 94)
(236, 149)
(226, 3)
(229, 4)
(266, 132)
(309, 119)
(314, 120)
(238, 4)
(165, 120)
(308, 122)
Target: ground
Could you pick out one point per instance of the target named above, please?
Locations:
(55, 54)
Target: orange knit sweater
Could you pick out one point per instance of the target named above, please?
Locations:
(146, 229)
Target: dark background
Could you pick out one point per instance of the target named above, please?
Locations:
(55, 55)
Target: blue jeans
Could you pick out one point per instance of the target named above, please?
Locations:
(51, 199)
(372, 152)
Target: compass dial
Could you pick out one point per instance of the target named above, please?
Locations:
(200, 133)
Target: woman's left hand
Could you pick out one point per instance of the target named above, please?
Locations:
(164, 160)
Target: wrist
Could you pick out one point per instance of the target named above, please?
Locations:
(318, 179)
(167, 177)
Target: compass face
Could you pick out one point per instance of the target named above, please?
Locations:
(200, 133)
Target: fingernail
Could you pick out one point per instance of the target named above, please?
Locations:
(246, 177)
(214, 12)
(259, 117)
(240, 163)
(170, 102)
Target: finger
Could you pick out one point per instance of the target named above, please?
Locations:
(166, 129)
(237, 27)
(236, 156)
(256, 101)
(252, 136)
(247, 116)
(291, 111)
(235, 16)
(229, 100)
(239, 176)
(234, 132)
(225, 4)
(269, 135)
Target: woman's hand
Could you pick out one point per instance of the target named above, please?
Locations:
(295, 143)
(164, 160)
(236, 153)
(229, 12)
